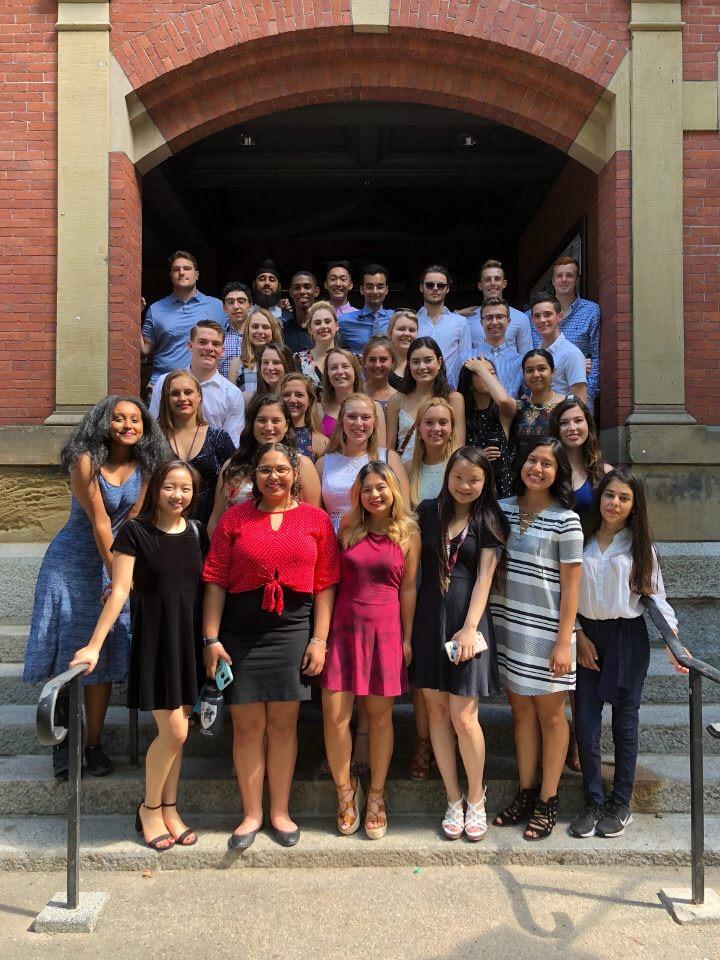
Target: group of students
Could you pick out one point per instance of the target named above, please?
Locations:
(359, 569)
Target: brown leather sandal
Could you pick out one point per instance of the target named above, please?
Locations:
(375, 811)
(348, 810)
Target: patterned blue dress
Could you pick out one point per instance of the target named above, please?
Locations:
(67, 594)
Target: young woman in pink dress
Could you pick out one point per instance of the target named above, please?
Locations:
(369, 641)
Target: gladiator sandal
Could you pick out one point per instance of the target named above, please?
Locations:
(543, 820)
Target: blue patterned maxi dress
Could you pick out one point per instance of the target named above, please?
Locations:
(67, 594)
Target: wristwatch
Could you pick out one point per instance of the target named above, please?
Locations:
(208, 641)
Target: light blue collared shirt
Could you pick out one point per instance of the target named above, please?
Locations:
(518, 334)
(569, 365)
(508, 366)
(357, 327)
(168, 323)
(452, 334)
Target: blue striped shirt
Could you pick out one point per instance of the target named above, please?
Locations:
(508, 366)
(519, 334)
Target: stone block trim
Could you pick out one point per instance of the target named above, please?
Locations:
(124, 276)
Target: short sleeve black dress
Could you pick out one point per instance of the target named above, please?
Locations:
(438, 616)
(163, 674)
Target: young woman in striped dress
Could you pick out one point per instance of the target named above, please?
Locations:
(534, 621)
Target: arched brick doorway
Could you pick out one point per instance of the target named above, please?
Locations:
(544, 75)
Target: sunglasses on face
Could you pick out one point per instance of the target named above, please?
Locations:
(435, 285)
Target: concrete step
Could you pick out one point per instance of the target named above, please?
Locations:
(13, 641)
(663, 729)
(208, 784)
(109, 843)
(663, 685)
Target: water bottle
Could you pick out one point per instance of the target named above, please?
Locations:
(211, 706)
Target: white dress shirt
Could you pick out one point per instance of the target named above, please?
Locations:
(222, 404)
(605, 583)
(569, 365)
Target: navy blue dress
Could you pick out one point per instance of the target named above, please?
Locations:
(67, 594)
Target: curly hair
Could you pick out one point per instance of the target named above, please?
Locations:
(91, 437)
(561, 488)
(239, 465)
(292, 458)
(355, 525)
(441, 387)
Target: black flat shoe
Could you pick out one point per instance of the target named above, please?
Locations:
(97, 762)
(287, 838)
(238, 842)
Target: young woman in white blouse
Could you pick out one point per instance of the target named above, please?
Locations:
(613, 650)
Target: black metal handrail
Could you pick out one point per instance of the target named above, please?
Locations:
(698, 669)
(50, 734)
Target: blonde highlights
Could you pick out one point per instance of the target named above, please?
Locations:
(401, 524)
(419, 450)
(338, 438)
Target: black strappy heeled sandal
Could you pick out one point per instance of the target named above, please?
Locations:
(543, 819)
(521, 807)
(180, 841)
(154, 843)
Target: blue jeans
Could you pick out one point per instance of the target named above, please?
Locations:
(630, 638)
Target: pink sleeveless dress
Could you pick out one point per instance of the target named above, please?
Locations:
(364, 654)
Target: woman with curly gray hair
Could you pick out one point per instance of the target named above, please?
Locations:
(108, 460)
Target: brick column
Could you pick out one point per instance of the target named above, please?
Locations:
(81, 367)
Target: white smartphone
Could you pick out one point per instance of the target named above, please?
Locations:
(451, 646)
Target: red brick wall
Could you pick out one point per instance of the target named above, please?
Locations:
(28, 67)
(124, 270)
(700, 39)
(702, 275)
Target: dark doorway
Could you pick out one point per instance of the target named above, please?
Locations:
(400, 184)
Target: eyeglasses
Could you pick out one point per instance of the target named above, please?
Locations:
(269, 471)
(435, 285)
(232, 300)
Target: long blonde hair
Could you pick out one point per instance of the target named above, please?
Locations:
(248, 353)
(419, 450)
(356, 522)
(338, 438)
(328, 390)
(311, 419)
(165, 417)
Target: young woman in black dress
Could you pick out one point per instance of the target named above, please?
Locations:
(489, 411)
(460, 534)
(159, 555)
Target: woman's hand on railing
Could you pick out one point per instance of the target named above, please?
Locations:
(88, 655)
(677, 667)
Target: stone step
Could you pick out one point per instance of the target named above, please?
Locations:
(27, 787)
(663, 685)
(663, 729)
(13, 641)
(109, 843)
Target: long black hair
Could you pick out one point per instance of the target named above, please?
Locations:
(149, 509)
(485, 513)
(644, 556)
(239, 464)
(91, 437)
(465, 389)
(441, 387)
(561, 489)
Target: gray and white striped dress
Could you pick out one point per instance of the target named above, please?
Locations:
(526, 615)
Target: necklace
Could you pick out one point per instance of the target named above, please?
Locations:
(534, 410)
(527, 518)
(174, 444)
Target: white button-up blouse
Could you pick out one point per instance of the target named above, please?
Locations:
(605, 583)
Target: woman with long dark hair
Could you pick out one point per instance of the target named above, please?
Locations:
(532, 419)
(620, 565)
(425, 377)
(267, 420)
(461, 532)
(108, 460)
(192, 440)
(534, 620)
(272, 561)
(574, 426)
(159, 555)
(274, 360)
(489, 412)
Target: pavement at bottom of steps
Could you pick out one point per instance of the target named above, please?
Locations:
(109, 843)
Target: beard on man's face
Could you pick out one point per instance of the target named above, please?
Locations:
(265, 300)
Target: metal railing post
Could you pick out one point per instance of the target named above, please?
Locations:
(697, 812)
(75, 744)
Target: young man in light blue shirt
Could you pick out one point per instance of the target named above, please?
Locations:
(449, 330)
(569, 375)
(507, 361)
(491, 283)
(165, 331)
(357, 327)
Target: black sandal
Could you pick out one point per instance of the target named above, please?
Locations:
(180, 841)
(543, 819)
(521, 808)
(154, 844)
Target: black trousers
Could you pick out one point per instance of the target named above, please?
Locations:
(623, 657)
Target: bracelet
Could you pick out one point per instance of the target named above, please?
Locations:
(209, 641)
(318, 640)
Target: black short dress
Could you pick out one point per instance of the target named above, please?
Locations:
(165, 637)
(438, 616)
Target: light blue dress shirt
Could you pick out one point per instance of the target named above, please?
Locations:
(518, 334)
(357, 327)
(581, 325)
(508, 366)
(168, 323)
(452, 334)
